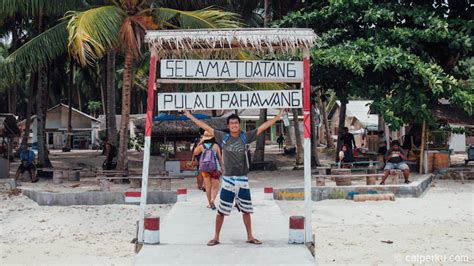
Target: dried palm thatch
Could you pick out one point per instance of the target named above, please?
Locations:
(177, 128)
(268, 40)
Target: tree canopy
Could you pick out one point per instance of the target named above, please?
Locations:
(404, 55)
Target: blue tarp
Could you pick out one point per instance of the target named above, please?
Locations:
(167, 117)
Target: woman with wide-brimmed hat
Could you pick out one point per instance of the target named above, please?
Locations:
(210, 166)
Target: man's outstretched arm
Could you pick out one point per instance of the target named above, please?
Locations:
(270, 122)
(198, 122)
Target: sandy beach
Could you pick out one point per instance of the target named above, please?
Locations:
(441, 223)
(99, 235)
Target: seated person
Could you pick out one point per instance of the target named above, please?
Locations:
(27, 157)
(345, 157)
(395, 158)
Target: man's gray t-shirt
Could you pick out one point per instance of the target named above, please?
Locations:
(233, 152)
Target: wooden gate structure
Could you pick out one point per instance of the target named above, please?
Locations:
(172, 44)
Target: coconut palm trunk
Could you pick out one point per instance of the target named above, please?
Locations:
(342, 119)
(29, 105)
(41, 110)
(299, 144)
(110, 94)
(327, 132)
(122, 163)
(314, 139)
(259, 155)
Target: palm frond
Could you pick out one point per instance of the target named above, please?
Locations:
(38, 51)
(93, 31)
(29, 8)
(199, 19)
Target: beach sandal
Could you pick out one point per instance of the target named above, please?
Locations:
(213, 206)
(382, 183)
(254, 241)
(407, 181)
(213, 242)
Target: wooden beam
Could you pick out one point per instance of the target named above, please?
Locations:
(225, 81)
(422, 148)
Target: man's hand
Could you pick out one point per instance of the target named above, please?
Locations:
(270, 122)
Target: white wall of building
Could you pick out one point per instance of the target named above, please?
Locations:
(457, 142)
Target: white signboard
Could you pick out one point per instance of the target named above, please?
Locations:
(231, 69)
(230, 100)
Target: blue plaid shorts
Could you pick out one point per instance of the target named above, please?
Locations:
(235, 188)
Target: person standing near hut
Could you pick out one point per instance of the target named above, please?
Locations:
(235, 185)
(280, 141)
(348, 140)
(210, 165)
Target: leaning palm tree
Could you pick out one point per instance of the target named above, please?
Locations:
(123, 25)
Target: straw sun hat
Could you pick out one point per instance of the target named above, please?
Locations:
(207, 135)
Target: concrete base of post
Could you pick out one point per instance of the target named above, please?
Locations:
(296, 233)
(151, 235)
(182, 194)
(268, 193)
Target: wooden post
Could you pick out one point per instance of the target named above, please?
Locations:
(146, 156)
(422, 148)
(307, 147)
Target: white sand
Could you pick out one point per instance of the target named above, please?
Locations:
(100, 235)
(439, 223)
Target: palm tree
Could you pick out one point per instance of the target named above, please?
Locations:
(123, 25)
(91, 33)
(37, 13)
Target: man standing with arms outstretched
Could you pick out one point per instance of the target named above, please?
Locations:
(235, 184)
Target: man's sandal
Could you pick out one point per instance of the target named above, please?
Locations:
(212, 242)
(407, 181)
(254, 241)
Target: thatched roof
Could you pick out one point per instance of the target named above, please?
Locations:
(452, 115)
(180, 128)
(262, 40)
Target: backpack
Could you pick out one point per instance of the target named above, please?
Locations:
(244, 140)
(207, 162)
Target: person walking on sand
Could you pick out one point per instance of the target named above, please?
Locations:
(280, 141)
(199, 179)
(235, 184)
(210, 165)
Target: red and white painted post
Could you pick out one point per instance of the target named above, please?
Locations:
(132, 196)
(297, 232)
(268, 193)
(146, 156)
(307, 146)
(152, 230)
(182, 194)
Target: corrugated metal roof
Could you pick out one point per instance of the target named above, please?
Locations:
(360, 109)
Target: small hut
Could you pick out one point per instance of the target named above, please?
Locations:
(174, 137)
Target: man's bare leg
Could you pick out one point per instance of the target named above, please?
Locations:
(248, 225)
(406, 174)
(17, 175)
(385, 175)
(219, 222)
